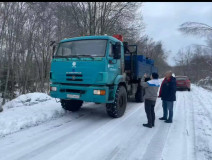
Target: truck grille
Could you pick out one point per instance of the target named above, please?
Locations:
(72, 91)
(74, 77)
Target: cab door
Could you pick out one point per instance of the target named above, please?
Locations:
(114, 65)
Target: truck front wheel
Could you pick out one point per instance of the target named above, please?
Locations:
(118, 107)
(71, 105)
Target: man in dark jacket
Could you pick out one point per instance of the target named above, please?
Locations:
(168, 96)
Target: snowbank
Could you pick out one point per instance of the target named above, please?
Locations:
(202, 100)
(28, 110)
(206, 83)
(27, 100)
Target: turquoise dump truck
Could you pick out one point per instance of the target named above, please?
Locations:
(99, 69)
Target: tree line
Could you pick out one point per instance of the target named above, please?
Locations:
(27, 29)
(195, 61)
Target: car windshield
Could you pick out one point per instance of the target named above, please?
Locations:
(181, 78)
(94, 48)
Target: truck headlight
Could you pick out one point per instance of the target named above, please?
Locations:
(99, 92)
(53, 88)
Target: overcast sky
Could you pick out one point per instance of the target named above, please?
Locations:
(163, 18)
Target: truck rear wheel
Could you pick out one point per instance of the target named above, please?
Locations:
(139, 96)
(71, 105)
(118, 107)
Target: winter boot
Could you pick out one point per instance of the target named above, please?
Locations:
(162, 118)
(147, 125)
(168, 121)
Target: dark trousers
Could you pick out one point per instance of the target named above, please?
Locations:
(150, 112)
(168, 108)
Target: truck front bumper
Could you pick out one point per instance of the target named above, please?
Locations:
(84, 93)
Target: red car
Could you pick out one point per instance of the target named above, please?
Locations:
(183, 82)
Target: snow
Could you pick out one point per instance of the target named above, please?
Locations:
(28, 110)
(40, 129)
(27, 100)
(194, 132)
(203, 122)
(205, 83)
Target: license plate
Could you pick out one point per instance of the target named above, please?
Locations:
(73, 96)
(180, 83)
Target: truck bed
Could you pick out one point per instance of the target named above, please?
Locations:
(141, 65)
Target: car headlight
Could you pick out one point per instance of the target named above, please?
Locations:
(53, 88)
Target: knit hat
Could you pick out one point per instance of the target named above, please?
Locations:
(155, 75)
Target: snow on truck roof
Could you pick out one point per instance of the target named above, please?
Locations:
(89, 38)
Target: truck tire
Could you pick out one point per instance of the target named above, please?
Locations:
(118, 107)
(189, 89)
(71, 105)
(139, 96)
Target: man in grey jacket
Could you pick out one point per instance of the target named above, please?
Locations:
(151, 90)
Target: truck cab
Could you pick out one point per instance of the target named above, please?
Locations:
(90, 69)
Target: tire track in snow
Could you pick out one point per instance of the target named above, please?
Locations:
(193, 121)
(41, 143)
(108, 143)
(202, 104)
(93, 140)
(51, 136)
(95, 136)
(26, 117)
(134, 142)
(202, 126)
(45, 142)
(181, 141)
(70, 117)
(156, 145)
(139, 138)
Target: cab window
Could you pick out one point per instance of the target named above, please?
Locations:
(110, 49)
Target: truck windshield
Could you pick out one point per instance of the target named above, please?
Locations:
(94, 48)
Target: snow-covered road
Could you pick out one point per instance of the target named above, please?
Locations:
(91, 135)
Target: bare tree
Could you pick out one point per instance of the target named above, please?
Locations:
(98, 18)
(196, 28)
(26, 29)
(201, 58)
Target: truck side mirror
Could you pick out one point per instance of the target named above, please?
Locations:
(52, 43)
(53, 52)
(54, 46)
(126, 50)
(117, 50)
